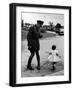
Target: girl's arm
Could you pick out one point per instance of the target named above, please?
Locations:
(50, 53)
(58, 55)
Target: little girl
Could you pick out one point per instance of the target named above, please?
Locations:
(54, 56)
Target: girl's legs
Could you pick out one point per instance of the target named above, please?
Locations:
(53, 65)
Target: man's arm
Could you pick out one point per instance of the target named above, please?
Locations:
(37, 33)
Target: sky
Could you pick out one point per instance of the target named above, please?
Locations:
(46, 17)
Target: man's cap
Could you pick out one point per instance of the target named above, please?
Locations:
(40, 22)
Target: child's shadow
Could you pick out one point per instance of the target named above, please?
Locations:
(47, 66)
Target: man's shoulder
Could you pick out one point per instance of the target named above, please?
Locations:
(32, 27)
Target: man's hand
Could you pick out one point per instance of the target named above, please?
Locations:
(40, 36)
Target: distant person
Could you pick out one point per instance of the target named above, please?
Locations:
(33, 43)
(54, 57)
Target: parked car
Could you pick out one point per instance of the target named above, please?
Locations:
(61, 33)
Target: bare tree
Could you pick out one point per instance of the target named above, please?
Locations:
(58, 27)
(51, 26)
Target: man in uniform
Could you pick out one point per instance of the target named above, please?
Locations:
(33, 43)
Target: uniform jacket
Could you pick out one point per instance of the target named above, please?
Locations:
(33, 38)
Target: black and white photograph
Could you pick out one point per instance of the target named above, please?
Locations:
(42, 44)
(40, 39)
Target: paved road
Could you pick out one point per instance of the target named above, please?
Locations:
(45, 46)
